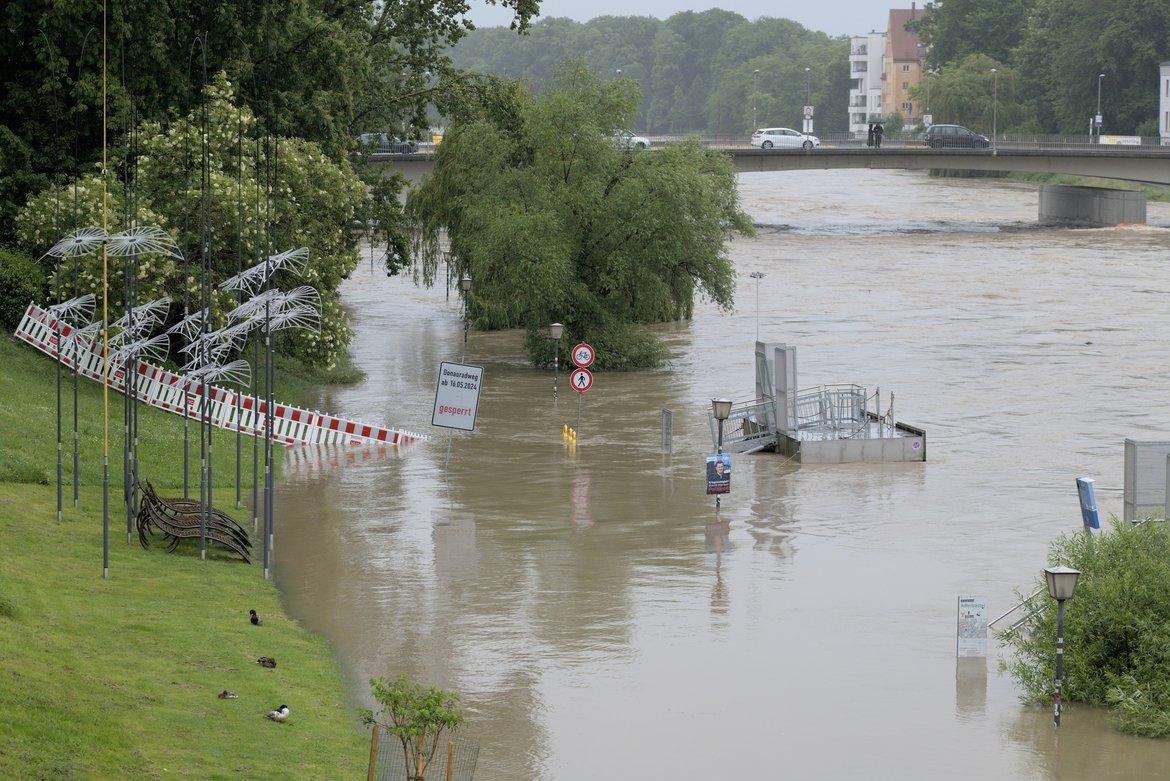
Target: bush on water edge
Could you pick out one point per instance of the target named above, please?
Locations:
(1117, 628)
(119, 678)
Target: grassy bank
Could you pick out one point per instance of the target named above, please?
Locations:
(118, 678)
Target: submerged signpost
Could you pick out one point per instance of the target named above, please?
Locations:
(581, 378)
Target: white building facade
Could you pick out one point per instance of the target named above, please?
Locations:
(866, 65)
(1164, 102)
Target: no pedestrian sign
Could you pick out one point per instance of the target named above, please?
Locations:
(581, 380)
(583, 355)
(457, 396)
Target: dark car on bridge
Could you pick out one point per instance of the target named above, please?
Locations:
(954, 137)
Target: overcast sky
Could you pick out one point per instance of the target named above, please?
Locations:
(836, 17)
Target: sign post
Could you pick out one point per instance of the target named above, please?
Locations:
(457, 396)
(1088, 497)
(581, 379)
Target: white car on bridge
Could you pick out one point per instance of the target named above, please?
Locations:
(784, 138)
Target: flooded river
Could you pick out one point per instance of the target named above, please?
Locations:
(599, 623)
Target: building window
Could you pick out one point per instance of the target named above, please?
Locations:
(905, 69)
(908, 107)
(905, 85)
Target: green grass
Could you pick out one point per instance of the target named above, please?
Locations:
(118, 678)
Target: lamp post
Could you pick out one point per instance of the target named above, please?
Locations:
(1062, 582)
(1100, 76)
(721, 408)
(554, 332)
(994, 104)
(757, 276)
(755, 113)
(808, 123)
(465, 286)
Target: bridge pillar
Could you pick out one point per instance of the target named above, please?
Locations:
(1066, 204)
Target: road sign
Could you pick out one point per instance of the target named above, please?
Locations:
(583, 355)
(581, 380)
(457, 396)
(1097, 120)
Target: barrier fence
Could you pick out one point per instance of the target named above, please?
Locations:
(172, 392)
(454, 759)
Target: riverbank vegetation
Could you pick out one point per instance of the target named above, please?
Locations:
(708, 71)
(119, 678)
(1117, 628)
(555, 220)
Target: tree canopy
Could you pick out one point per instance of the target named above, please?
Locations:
(696, 70)
(555, 221)
(322, 71)
(1056, 49)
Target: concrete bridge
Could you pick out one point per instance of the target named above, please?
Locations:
(1141, 164)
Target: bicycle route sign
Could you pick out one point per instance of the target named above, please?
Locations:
(583, 355)
(581, 380)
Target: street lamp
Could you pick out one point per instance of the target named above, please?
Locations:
(721, 409)
(1062, 582)
(755, 118)
(554, 332)
(757, 276)
(994, 104)
(1099, 77)
(465, 286)
(619, 73)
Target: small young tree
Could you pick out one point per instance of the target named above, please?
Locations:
(417, 715)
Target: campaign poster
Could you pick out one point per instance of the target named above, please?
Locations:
(719, 473)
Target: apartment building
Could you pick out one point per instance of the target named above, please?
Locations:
(866, 65)
(902, 67)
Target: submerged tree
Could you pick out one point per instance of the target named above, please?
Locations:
(417, 715)
(1117, 629)
(555, 220)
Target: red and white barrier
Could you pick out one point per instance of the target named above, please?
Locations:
(171, 392)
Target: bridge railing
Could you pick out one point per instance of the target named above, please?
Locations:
(916, 139)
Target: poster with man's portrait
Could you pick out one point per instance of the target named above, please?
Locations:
(719, 473)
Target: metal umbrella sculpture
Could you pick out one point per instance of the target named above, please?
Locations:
(78, 312)
(273, 310)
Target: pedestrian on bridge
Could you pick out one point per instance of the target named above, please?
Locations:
(878, 131)
(869, 136)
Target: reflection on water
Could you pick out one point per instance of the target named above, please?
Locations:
(598, 619)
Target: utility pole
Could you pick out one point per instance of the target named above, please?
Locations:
(1096, 120)
(994, 106)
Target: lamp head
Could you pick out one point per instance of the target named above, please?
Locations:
(555, 330)
(721, 408)
(465, 284)
(1062, 582)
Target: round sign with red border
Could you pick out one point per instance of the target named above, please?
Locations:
(583, 355)
(581, 380)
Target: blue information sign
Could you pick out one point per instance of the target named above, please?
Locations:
(1088, 504)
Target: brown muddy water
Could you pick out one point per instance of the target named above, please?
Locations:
(598, 622)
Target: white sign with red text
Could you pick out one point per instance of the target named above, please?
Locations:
(457, 396)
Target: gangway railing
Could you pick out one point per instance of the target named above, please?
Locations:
(840, 409)
(750, 427)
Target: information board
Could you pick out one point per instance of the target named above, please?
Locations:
(972, 631)
(457, 396)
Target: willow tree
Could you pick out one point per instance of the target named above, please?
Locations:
(556, 221)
